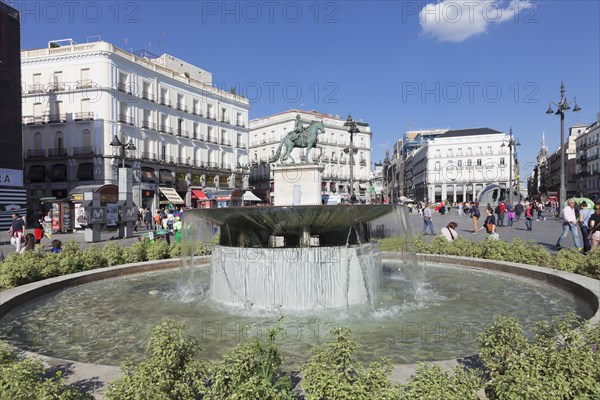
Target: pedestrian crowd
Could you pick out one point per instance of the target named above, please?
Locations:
(577, 218)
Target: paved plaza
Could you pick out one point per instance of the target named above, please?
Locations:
(544, 233)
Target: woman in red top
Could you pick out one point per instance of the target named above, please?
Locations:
(38, 231)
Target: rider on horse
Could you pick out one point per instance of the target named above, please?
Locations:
(298, 129)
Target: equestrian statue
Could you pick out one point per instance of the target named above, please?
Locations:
(300, 137)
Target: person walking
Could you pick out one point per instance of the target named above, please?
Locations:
(540, 209)
(427, 220)
(148, 219)
(500, 212)
(38, 230)
(510, 216)
(490, 221)
(475, 215)
(518, 211)
(158, 220)
(529, 217)
(584, 219)
(16, 231)
(569, 224)
(594, 224)
(449, 231)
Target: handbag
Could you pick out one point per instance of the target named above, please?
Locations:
(489, 227)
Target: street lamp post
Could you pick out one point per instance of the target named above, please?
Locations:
(562, 106)
(124, 146)
(512, 143)
(350, 150)
(127, 208)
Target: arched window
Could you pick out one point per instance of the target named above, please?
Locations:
(86, 138)
(37, 141)
(59, 140)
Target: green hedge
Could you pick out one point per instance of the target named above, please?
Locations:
(19, 269)
(516, 251)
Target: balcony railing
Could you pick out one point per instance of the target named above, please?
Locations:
(182, 107)
(34, 120)
(85, 84)
(36, 88)
(211, 116)
(226, 142)
(183, 133)
(240, 145)
(57, 152)
(148, 125)
(164, 101)
(36, 153)
(124, 87)
(165, 129)
(225, 120)
(84, 116)
(126, 119)
(212, 139)
(240, 123)
(148, 156)
(211, 164)
(148, 96)
(56, 118)
(197, 112)
(56, 87)
(83, 151)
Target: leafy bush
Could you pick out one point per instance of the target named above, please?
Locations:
(170, 371)
(561, 361)
(159, 250)
(569, 260)
(175, 250)
(332, 373)
(591, 266)
(19, 269)
(135, 252)
(431, 382)
(23, 379)
(251, 371)
(93, 258)
(113, 253)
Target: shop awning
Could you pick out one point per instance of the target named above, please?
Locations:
(227, 195)
(171, 195)
(199, 194)
(249, 196)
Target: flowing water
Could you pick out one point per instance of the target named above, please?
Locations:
(105, 321)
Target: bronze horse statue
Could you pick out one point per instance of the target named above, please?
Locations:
(305, 139)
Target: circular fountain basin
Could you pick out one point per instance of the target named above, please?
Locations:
(104, 321)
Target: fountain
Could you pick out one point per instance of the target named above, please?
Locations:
(296, 258)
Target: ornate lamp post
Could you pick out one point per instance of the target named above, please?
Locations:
(512, 143)
(351, 150)
(562, 106)
(125, 146)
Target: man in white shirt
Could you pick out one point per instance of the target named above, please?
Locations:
(569, 223)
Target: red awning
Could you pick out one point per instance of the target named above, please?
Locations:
(199, 194)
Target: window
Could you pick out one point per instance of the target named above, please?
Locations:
(479, 150)
(449, 152)
(86, 138)
(58, 141)
(489, 149)
(479, 162)
(459, 163)
(502, 162)
(438, 153)
(37, 141)
(196, 106)
(438, 166)
(469, 163)
(469, 151)
(459, 151)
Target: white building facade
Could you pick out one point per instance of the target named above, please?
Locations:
(587, 170)
(77, 97)
(459, 164)
(267, 133)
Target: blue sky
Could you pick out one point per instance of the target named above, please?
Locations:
(394, 64)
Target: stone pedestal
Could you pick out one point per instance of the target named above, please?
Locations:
(297, 184)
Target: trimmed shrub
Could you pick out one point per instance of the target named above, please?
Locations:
(113, 253)
(569, 260)
(135, 252)
(19, 269)
(93, 258)
(159, 250)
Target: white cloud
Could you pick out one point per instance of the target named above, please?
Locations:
(457, 20)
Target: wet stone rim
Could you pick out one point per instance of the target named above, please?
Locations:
(587, 289)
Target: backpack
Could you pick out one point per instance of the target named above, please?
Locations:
(476, 212)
